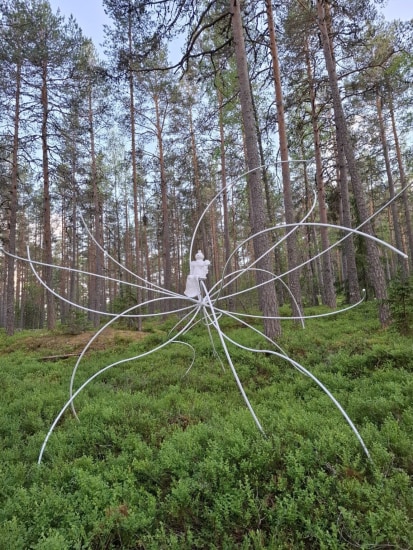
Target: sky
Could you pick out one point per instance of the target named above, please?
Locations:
(91, 17)
(89, 14)
(399, 9)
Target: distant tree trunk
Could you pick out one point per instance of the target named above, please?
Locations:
(312, 279)
(202, 243)
(73, 276)
(166, 237)
(145, 249)
(375, 270)
(47, 228)
(402, 175)
(227, 243)
(294, 276)
(393, 207)
(10, 291)
(97, 294)
(278, 260)
(267, 294)
(349, 252)
(63, 259)
(328, 294)
(214, 242)
(134, 164)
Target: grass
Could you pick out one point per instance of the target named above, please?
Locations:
(160, 460)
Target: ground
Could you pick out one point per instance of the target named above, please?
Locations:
(58, 344)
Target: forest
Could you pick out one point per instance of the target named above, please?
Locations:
(276, 138)
(110, 157)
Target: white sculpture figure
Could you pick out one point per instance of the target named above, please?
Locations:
(208, 308)
(198, 270)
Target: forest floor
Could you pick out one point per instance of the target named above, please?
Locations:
(166, 455)
(46, 343)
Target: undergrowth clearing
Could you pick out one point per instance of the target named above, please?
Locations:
(163, 460)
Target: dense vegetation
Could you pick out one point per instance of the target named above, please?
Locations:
(162, 460)
(314, 99)
(288, 111)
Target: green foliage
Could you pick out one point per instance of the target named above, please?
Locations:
(160, 460)
(401, 304)
(77, 322)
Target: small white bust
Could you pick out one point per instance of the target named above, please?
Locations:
(198, 270)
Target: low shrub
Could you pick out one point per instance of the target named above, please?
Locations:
(166, 458)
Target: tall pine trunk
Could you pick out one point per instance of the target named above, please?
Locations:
(267, 294)
(393, 207)
(202, 242)
(227, 243)
(403, 181)
(166, 237)
(134, 164)
(10, 290)
(47, 227)
(97, 285)
(375, 272)
(349, 250)
(328, 294)
(294, 275)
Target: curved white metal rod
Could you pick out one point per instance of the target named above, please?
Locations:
(90, 342)
(90, 310)
(268, 251)
(72, 269)
(200, 304)
(231, 184)
(211, 202)
(385, 205)
(193, 354)
(180, 321)
(349, 230)
(295, 318)
(153, 286)
(333, 226)
(217, 296)
(90, 379)
(302, 369)
(232, 315)
(208, 321)
(299, 367)
(228, 356)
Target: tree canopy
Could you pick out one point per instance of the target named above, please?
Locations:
(308, 98)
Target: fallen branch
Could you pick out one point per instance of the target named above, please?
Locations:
(57, 357)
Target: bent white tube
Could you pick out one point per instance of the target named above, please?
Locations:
(101, 371)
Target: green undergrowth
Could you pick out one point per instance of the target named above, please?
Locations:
(164, 458)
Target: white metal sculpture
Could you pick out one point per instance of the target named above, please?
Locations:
(198, 272)
(202, 304)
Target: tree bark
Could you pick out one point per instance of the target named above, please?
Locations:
(294, 275)
(402, 175)
(134, 164)
(47, 228)
(97, 294)
(393, 207)
(267, 294)
(349, 252)
(328, 294)
(166, 238)
(202, 243)
(10, 290)
(375, 270)
(227, 245)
